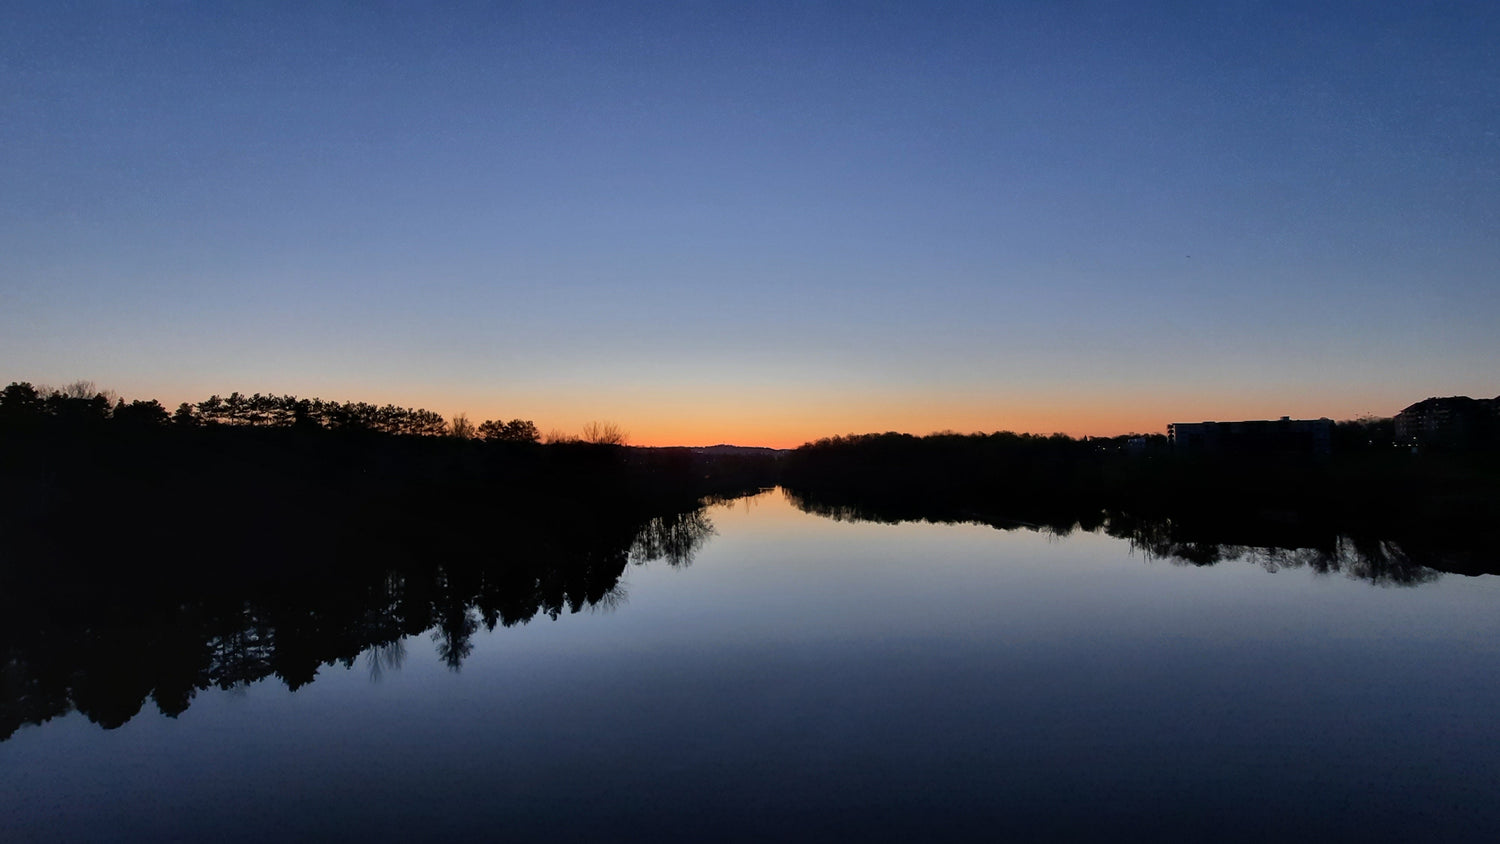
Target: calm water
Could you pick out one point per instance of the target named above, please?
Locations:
(804, 678)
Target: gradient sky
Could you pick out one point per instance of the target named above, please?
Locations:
(758, 223)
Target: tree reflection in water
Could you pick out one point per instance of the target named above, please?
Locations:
(388, 656)
(104, 643)
(1274, 541)
(1376, 561)
(122, 640)
(674, 539)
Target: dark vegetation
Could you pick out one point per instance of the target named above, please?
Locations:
(151, 555)
(261, 488)
(103, 647)
(1397, 511)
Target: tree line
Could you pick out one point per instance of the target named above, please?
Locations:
(1366, 487)
(80, 404)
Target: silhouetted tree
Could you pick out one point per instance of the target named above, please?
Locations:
(184, 417)
(20, 404)
(85, 390)
(515, 431)
(461, 428)
(212, 410)
(78, 411)
(604, 433)
(141, 414)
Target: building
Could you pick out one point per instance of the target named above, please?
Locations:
(1281, 436)
(1448, 421)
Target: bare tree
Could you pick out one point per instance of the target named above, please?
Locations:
(461, 428)
(604, 433)
(86, 390)
(79, 390)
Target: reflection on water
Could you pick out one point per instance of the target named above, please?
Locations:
(164, 644)
(1376, 561)
(674, 538)
(789, 676)
(1272, 540)
(384, 657)
(169, 645)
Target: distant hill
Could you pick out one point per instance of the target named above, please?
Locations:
(722, 449)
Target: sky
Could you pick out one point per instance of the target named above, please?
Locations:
(758, 223)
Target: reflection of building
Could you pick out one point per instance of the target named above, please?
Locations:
(1282, 436)
(1454, 420)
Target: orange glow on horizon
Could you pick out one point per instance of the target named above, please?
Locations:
(794, 427)
(786, 417)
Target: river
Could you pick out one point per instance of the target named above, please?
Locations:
(767, 673)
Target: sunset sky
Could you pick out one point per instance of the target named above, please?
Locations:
(758, 223)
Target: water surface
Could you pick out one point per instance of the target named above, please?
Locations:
(794, 675)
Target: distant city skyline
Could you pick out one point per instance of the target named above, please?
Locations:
(759, 224)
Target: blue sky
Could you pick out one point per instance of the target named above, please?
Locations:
(760, 222)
